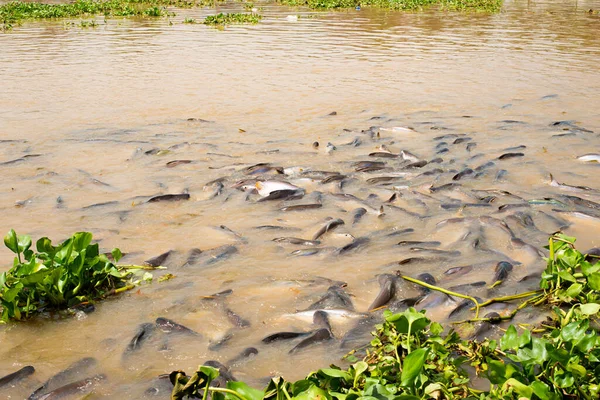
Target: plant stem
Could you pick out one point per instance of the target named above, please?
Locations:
(445, 291)
(509, 298)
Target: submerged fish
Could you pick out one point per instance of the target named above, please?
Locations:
(16, 376)
(592, 157)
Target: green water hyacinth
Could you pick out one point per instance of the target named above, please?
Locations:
(58, 277)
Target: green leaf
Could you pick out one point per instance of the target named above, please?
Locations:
(510, 340)
(567, 276)
(542, 391)
(313, 393)
(410, 318)
(81, 240)
(520, 388)
(117, 255)
(574, 290)
(359, 368)
(594, 280)
(564, 380)
(412, 365)
(590, 308)
(335, 373)
(246, 391)
(496, 371)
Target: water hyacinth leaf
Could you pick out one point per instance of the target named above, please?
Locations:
(335, 373)
(117, 255)
(574, 290)
(313, 393)
(564, 380)
(590, 308)
(573, 332)
(412, 365)
(542, 391)
(17, 243)
(594, 280)
(301, 386)
(519, 387)
(587, 268)
(510, 340)
(244, 390)
(567, 276)
(525, 338)
(496, 371)
(359, 368)
(409, 320)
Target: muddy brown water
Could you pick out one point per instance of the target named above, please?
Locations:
(92, 102)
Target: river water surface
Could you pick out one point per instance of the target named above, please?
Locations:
(93, 115)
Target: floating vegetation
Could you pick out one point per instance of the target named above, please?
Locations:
(17, 11)
(409, 5)
(58, 277)
(411, 357)
(188, 20)
(231, 19)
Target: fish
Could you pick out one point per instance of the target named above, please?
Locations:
(305, 252)
(80, 387)
(279, 336)
(483, 328)
(247, 353)
(169, 198)
(591, 157)
(317, 336)
(301, 207)
(461, 140)
(383, 154)
(170, 326)
(298, 241)
(355, 244)
(16, 376)
(447, 186)
(175, 163)
(224, 374)
(333, 178)
(416, 164)
(265, 188)
(579, 202)
(69, 374)
(329, 226)
(335, 298)
(507, 156)
(158, 260)
(211, 256)
(357, 214)
(283, 194)
(462, 174)
(144, 331)
(555, 183)
(408, 156)
(501, 272)
(103, 204)
(321, 320)
(419, 243)
(387, 291)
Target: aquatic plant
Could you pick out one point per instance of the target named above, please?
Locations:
(233, 18)
(409, 5)
(62, 276)
(411, 357)
(17, 11)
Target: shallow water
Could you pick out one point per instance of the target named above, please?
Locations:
(91, 102)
